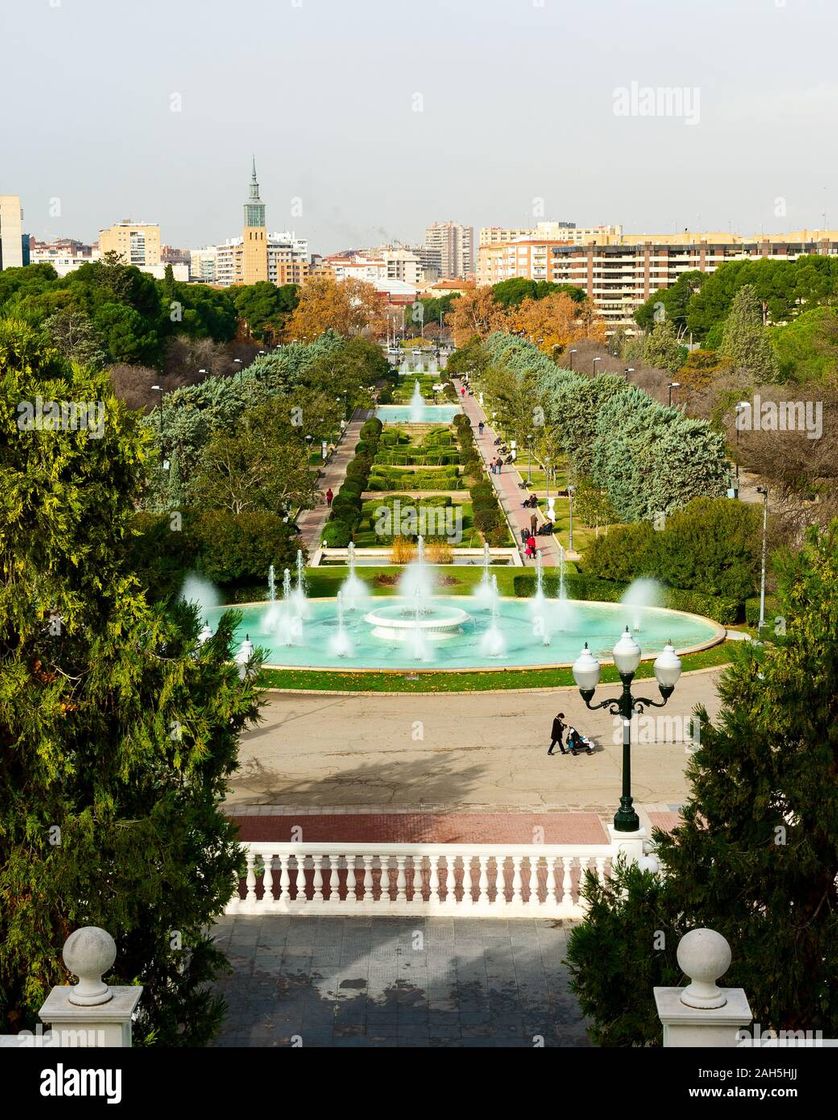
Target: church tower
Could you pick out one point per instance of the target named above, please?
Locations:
(255, 236)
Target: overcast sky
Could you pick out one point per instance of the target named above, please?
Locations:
(381, 116)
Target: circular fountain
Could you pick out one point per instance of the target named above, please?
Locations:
(399, 622)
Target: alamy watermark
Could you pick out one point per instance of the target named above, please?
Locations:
(430, 522)
(62, 416)
(661, 729)
(780, 416)
(636, 100)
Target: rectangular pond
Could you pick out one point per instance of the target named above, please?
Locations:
(417, 414)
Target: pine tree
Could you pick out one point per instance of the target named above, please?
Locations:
(745, 341)
(118, 731)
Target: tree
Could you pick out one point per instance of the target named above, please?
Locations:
(807, 348)
(264, 309)
(118, 730)
(756, 854)
(75, 337)
(554, 322)
(475, 313)
(348, 307)
(262, 465)
(745, 341)
(662, 348)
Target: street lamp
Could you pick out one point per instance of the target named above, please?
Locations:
(673, 385)
(740, 408)
(593, 365)
(627, 371)
(626, 654)
(764, 491)
(237, 362)
(572, 352)
(571, 490)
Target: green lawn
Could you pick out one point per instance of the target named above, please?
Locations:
(452, 579)
(318, 680)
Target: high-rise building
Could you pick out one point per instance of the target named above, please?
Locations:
(11, 232)
(455, 245)
(549, 231)
(136, 243)
(254, 236)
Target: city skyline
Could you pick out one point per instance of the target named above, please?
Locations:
(354, 151)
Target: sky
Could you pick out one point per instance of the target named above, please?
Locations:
(369, 119)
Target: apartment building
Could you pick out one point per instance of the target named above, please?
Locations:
(621, 272)
(453, 245)
(65, 254)
(12, 244)
(136, 243)
(548, 231)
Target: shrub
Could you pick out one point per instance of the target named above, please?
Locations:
(336, 534)
(160, 556)
(235, 548)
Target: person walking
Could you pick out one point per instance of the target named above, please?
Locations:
(329, 496)
(533, 523)
(531, 547)
(480, 427)
(557, 733)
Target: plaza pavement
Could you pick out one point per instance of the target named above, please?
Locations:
(406, 982)
(475, 752)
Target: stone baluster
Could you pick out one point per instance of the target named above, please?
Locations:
(368, 893)
(567, 882)
(385, 879)
(401, 879)
(318, 878)
(599, 862)
(301, 879)
(250, 880)
(351, 879)
(268, 880)
(234, 905)
(285, 880)
(535, 888)
(417, 864)
(516, 881)
(500, 879)
(334, 879)
(483, 881)
(433, 879)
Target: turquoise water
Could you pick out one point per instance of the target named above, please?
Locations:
(426, 414)
(564, 628)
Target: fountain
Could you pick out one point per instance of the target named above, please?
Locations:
(483, 592)
(537, 601)
(417, 405)
(417, 613)
(640, 595)
(563, 610)
(299, 592)
(493, 643)
(273, 615)
(340, 643)
(200, 591)
(354, 589)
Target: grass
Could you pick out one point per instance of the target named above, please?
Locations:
(452, 579)
(319, 680)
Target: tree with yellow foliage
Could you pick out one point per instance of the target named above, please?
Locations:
(556, 321)
(475, 312)
(349, 307)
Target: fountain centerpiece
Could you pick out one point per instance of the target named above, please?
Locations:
(417, 611)
(354, 589)
(417, 405)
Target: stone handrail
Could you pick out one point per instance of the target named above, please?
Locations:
(538, 880)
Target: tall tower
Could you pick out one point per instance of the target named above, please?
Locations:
(254, 236)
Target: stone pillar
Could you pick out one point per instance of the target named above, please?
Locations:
(90, 1013)
(702, 1014)
(631, 844)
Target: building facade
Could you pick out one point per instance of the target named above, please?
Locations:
(622, 271)
(254, 257)
(136, 243)
(11, 232)
(452, 245)
(549, 231)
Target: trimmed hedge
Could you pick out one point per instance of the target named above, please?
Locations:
(721, 609)
(345, 515)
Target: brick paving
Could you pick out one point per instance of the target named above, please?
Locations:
(507, 484)
(427, 828)
(401, 982)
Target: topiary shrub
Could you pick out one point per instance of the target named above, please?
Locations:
(336, 534)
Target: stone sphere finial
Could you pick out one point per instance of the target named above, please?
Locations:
(89, 953)
(703, 955)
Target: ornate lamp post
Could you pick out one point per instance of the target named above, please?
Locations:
(627, 656)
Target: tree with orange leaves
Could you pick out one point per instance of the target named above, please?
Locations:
(475, 312)
(555, 321)
(349, 307)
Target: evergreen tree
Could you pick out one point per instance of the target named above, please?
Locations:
(756, 856)
(745, 341)
(118, 731)
(662, 349)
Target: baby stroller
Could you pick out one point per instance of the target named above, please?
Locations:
(578, 743)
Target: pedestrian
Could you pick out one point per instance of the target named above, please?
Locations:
(500, 464)
(531, 547)
(557, 733)
(329, 496)
(462, 390)
(533, 523)
(480, 427)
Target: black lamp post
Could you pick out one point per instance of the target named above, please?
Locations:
(627, 654)
(627, 371)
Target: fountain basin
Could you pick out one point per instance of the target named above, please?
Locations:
(424, 414)
(599, 624)
(399, 623)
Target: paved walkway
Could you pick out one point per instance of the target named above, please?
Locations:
(311, 521)
(478, 752)
(507, 483)
(376, 981)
